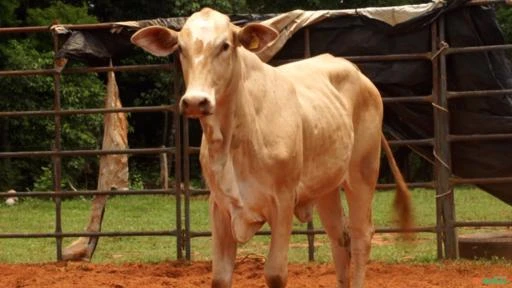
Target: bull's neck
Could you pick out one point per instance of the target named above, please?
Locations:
(238, 106)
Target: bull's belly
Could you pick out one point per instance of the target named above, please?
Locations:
(320, 181)
(326, 162)
(322, 174)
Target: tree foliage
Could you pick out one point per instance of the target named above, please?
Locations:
(7, 16)
(37, 93)
(504, 16)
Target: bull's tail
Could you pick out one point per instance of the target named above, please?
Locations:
(403, 207)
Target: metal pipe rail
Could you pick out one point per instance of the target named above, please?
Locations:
(96, 152)
(425, 229)
(161, 108)
(77, 70)
(486, 180)
(69, 194)
(479, 137)
(478, 93)
(477, 224)
(474, 49)
(380, 186)
(408, 99)
(40, 29)
(89, 234)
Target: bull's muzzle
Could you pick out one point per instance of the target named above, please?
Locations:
(196, 105)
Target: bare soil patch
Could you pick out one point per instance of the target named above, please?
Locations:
(248, 273)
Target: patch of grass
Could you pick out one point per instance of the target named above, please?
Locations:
(149, 213)
(146, 213)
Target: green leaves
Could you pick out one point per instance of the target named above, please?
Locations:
(185, 7)
(63, 13)
(504, 16)
(32, 93)
(7, 15)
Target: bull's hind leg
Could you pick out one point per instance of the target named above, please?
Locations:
(331, 214)
(224, 247)
(359, 199)
(359, 189)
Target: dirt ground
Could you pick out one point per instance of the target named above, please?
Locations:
(248, 273)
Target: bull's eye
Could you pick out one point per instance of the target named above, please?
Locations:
(225, 46)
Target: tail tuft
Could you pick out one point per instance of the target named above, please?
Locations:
(402, 203)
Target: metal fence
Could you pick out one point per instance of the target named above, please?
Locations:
(443, 182)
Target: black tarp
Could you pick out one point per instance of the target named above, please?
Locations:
(465, 26)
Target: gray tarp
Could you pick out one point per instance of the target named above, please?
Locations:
(380, 31)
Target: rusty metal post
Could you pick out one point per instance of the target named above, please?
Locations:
(186, 185)
(444, 190)
(177, 157)
(435, 95)
(57, 159)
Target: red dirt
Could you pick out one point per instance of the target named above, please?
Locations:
(248, 273)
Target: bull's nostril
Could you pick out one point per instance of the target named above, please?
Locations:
(203, 105)
(184, 103)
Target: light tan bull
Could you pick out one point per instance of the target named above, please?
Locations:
(278, 142)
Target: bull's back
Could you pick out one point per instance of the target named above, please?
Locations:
(329, 91)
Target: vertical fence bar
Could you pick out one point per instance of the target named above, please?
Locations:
(311, 226)
(442, 154)
(435, 94)
(57, 163)
(186, 184)
(177, 155)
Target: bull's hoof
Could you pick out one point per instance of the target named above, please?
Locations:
(77, 251)
(275, 281)
(220, 284)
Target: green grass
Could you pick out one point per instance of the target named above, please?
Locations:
(150, 213)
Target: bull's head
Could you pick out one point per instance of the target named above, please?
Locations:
(208, 45)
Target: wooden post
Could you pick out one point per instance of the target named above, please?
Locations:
(113, 172)
(442, 154)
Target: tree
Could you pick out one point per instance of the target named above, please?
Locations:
(36, 93)
(504, 17)
(122, 10)
(7, 9)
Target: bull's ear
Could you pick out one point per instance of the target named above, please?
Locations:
(254, 37)
(157, 40)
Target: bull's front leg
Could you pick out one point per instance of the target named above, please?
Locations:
(224, 247)
(276, 266)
